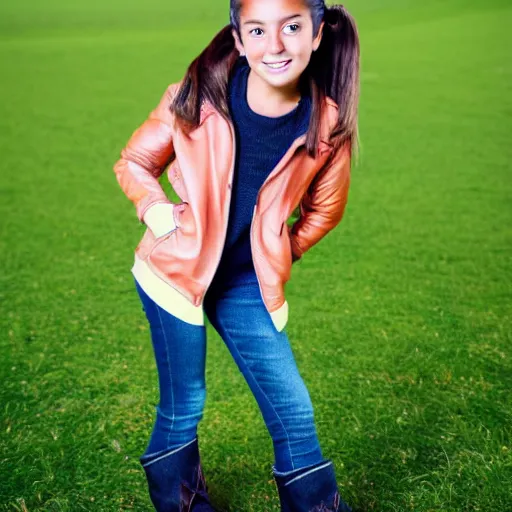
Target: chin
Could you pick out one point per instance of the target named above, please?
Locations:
(282, 82)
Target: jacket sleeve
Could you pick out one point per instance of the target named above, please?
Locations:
(145, 156)
(323, 204)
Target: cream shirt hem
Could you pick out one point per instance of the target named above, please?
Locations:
(176, 304)
(165, 295)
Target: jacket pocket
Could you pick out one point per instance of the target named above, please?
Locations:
(149, 241)
(176, 223)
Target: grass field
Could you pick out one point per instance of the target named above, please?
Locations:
(400, 319)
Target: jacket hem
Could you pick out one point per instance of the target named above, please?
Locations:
(163, 294)
(280, 316)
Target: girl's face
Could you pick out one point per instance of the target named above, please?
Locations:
(277, 39)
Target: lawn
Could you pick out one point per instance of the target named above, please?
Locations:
(400, 319)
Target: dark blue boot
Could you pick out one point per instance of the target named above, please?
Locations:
(310, 489)
(176, 481)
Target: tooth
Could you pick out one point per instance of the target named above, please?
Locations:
(276, 66)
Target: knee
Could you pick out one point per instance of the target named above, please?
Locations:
(296, 397)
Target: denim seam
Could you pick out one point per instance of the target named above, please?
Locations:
(258, 385)
(307, 473)
(170, 453)
(286, 473)
(170, 371)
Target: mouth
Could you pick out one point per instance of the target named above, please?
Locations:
(278, 66)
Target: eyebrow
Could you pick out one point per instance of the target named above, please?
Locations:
(258, 22)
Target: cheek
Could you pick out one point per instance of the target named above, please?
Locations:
(299, 48)
(255, 50)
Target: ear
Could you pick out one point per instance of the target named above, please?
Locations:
(318, 39)
(238, 43)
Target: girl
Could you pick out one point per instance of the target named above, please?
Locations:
(263, 123)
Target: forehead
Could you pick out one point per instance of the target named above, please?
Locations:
(271, 10)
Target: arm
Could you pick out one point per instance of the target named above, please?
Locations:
(142, 162)
(323, 204)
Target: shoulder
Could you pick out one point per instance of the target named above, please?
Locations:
(172, 89)
(171, 92)
(162, 112)
(342, 147)
(169, 95)
(329, 118)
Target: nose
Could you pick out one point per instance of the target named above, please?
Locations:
(275, 44)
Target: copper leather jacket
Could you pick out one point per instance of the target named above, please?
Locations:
(200, 168)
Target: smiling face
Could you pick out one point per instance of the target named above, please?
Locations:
(277, 39)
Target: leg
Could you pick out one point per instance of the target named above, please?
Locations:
(180, 354)
(171, 460)
(265, 358)
(306, 482)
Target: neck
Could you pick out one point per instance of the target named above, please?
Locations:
(267, 100)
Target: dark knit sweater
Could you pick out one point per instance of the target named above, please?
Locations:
(261, 143)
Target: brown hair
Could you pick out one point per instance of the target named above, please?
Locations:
(332, 71)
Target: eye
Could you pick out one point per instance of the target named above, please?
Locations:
(294, 27)
(257, 35)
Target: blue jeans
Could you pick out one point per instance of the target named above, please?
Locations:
(263, 355)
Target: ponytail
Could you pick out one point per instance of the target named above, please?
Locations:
(334, 71)
(206, 78)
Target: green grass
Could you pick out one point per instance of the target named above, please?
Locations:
(400, 319)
